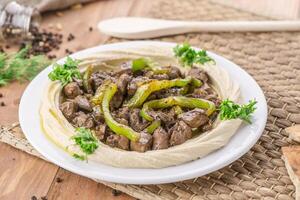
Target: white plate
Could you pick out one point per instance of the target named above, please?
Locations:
(241, 142)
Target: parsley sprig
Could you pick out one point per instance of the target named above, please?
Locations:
(230, 110)
(188, 56)
(86, 141)
(65, 72)
(20, 66)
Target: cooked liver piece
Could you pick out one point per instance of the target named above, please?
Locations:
(118, 141)
(72, 90)
(180, 133)
(83, 120)
(198, 73)
(136, 122)
(133, 85)
(194, 118)
(83, 103)
(100, 132)
(144, 143)
(160, 139)
(68, 108)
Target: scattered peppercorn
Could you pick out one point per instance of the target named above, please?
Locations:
(2, 103)
(116, 192)
(68, 51)
(51, 57)
(7, 46)
(59, 180)
(1, 95)
(91, 29)
(33, 198)
(44, 198)
(42, 41)
(70, 37)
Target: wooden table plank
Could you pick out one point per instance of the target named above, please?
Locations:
(71, 186)
(23, 176)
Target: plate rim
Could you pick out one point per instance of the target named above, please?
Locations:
(137, 180)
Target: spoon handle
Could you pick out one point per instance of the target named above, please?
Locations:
(141, 28)
(242, 26)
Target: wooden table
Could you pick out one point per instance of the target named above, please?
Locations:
(23, 176)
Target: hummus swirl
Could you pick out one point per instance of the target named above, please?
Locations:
(59, 130)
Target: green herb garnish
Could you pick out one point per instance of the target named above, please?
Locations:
(79, 157)
(85, 140)
(188, 56)
(231, 110)
(21, 66)
(65, 72)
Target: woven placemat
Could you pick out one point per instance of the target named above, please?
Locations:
(273, 59)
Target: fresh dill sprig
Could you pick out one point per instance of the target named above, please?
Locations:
(65, 72)
(20, 66)
(230, 110)
(188, 56)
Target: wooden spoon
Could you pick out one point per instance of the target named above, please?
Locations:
(140, 28)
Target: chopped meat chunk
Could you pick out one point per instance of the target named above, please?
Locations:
(72, 90)
(167, 117)
(118, 141)
(97, 115)
(100, 132)
(136, 122)
(134, 84)
(160, 139)
(122, 113)
(174, 72)
(144, 143)
(194, 118)
(83, 103)
(68, 108)
(83, 120)
(180, 133)
(122, 83)
(97, 79)
(198, 73)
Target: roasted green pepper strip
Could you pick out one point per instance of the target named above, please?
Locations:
(145, 90)
(85, 79)
(177, 110)
(145, 63)
(153, 126)
(116, 127)
(177, 101)
(98, 97)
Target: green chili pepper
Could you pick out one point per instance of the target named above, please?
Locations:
(153, 126)
(177, 110)
(116, 127)
(174, 101)
(145, 90)
(85, 79)
(139, 64)
(98, 97)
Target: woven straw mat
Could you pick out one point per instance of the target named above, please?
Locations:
(273, 59)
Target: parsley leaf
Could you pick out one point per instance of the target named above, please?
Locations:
(65, 72)
(85, 140)
(20, 66)
(79, 157)
(187, 55)
(230, 110)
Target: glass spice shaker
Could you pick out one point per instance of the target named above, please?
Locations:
(16, 21)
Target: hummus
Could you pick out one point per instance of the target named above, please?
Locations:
(59, 130)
